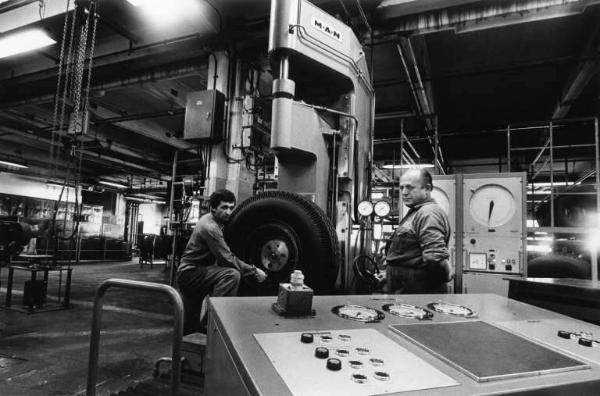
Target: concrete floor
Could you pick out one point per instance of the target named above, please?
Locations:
(46, 353)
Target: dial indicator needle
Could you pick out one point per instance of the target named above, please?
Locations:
(490, 212)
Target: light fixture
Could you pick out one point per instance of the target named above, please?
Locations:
(135, 199)
(407, 166)
(146, 196)
(548, 184)
(108, 183)
(164, 12)
(539, 248)
(13, 164)
(50, 183)
(160, 202)
(29, 40)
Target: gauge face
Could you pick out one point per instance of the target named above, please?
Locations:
(441, 198)
(408, 311)
(492, 205)
(452, 309)
(365, 208)
(358, 312)
(382, 208)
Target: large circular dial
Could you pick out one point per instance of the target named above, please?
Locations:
(365, 208)
(492, 205)
(382, 208)
(441, 198)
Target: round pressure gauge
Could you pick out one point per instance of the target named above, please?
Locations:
(441, 198)
(382, 208)
(492, 205)
(365, 208)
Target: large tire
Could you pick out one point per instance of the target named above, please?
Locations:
(296, 233)
(556, 266)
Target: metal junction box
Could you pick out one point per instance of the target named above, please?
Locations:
(204, 116)
(494, 236)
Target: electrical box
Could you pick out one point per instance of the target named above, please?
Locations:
(494, 233)
(204, 116)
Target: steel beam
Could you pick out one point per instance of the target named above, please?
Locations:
(185, 69)
(581, 74)
(479, 15)
(108, 144)
(98, 158)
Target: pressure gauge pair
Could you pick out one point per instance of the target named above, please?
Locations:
(381, 208)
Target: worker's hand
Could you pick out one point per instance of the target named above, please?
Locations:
(381, 276)
(260, 275)
(447, 271)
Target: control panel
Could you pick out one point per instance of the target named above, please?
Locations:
(348, 362)
(494, 223)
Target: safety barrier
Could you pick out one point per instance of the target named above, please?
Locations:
(97, 319)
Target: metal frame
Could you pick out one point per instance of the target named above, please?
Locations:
(549, 147)
(97, 319)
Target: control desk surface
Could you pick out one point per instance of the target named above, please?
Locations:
(238, 364)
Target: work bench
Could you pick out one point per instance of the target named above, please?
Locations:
(237, 361)
(35, 264)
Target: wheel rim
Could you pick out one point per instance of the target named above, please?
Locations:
(275, 247)
(274, 255)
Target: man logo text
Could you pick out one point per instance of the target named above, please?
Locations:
(328, 30)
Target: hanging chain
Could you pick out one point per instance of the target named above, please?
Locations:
(72, 92)
(94, 15)
(63, 104)
(61, 60)
(78, 78)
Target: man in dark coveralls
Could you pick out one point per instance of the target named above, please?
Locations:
(417, 258)
(207, 264)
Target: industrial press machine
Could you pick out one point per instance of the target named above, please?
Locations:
(321, 133)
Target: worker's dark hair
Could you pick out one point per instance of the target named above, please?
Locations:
(221, 196)
(426, 179)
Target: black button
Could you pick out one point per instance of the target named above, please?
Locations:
(322, 353)
(585, 342)
(508, 267)
(564, 334)
(306, 338)
(492, 266)
(473, 241)
(334, 364)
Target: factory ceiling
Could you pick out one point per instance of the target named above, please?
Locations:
(468, 67)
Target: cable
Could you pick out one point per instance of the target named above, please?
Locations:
(218, 13)
(364, 17)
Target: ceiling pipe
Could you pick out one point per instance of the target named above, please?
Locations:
(424, 107)
(152, 75)
(108, 145)
(89, 154)
(479, 16)
(141, 116)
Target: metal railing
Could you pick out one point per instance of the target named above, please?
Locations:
(97, 319)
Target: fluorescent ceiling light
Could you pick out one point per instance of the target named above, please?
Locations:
(407, 166)
(548, 184)
(160, 202)
(166, 12)
(29, 40)
(13, 164)
(539, 248)
(146, 196)
(107, 183)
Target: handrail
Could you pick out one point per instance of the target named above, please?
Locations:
(97, 318)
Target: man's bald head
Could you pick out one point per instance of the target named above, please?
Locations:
(415, 186)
